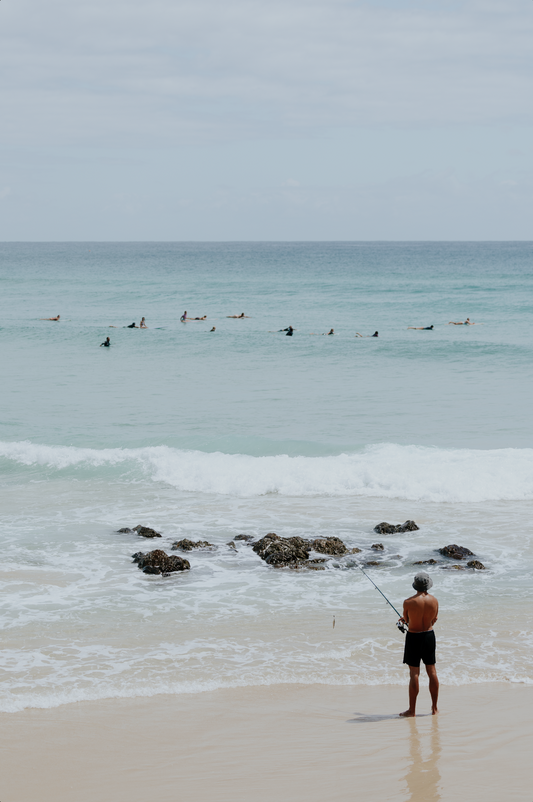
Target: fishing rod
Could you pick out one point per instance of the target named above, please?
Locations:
(399, 624)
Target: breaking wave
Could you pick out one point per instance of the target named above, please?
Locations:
(387, 470)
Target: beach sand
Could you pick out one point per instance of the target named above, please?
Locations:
(282, 743)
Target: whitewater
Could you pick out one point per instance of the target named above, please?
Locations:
(244, 431)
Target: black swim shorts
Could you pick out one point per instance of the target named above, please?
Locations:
(420, 646)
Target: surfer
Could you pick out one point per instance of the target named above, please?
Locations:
(213, 329)
(131, 326)
(421, 328)
(50, 318)
(107, 343)
(420, 613)
(142, 324)
(289, 331)
(237, 317)
(183, 318)
(376, 334)
(467, 322)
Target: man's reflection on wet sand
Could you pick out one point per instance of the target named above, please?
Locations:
(423, 776)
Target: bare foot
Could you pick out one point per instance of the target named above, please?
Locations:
(407, 714)
(434, 711)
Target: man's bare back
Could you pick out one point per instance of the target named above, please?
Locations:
(420, 612)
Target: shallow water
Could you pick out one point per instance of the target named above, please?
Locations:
(207, 435)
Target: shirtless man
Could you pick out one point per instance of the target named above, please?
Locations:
(467, 322)
(51, 318)
(420, 612)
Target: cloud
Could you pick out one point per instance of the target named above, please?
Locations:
(169, 72)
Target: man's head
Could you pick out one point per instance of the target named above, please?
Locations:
(422, 582)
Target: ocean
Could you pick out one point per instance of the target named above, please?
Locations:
(207, 435)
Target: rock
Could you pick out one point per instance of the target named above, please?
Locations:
(355, 550)
(477, 565)
(455, 567)
(373, 562)
(189, 545)
(145, 531)
(456, 552)
(232, 545)
(279, 551)
(431, 561)
(157, 562)
(247, 538)
(125, 530)
(378, 547)
(329, 545)
(391, 529)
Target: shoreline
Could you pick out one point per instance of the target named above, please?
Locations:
(294, 742)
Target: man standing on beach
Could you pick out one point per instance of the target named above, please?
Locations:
(420, 613)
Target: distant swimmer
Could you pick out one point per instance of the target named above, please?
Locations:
(107, 343)
(467, 322)
(213, 329)
(376, 334)
(421, 328)
(289, 331)
(132, 326)
(198, 318)
(183, 318)
(142, 324)
(332, 331)
(50, 318)
(237, 317)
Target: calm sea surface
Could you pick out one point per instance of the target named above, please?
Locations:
(207, 435)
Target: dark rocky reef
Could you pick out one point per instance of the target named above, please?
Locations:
(431, 561)
(378, 547)
(247, 538)
(391, 529)
(329, 545)
(143, 531)
(189, 545)
(157, 562)
(477, 565)
(280, 551)
(456, 552)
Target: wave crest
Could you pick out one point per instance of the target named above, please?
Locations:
(414, 473)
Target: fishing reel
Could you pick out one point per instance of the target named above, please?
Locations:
(401, 626)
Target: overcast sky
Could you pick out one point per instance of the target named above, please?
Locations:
(266, 120)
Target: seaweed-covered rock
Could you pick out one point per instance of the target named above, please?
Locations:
(456, 552)
(189, 545)
(477, 565)
(378, 547)
(391, 529)
(247, 538)
(145, 531)
(232, 545)
(454, 567)
(431, 561)
(280, 551)
(329, 545)
(157, 562)
(372, 562)
(125, 530)
(355, 550)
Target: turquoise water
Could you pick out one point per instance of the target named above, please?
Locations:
(208, 434)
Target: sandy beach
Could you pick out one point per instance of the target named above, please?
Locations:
(290, 742)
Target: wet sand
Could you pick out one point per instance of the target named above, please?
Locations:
(284, 743)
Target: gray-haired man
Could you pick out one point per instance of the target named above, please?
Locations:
(420, 613)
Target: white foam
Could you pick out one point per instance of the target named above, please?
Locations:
(388, 470)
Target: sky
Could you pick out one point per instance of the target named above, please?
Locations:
(256, 120)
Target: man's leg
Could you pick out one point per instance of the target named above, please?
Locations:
(413, 690)
(433, 687)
